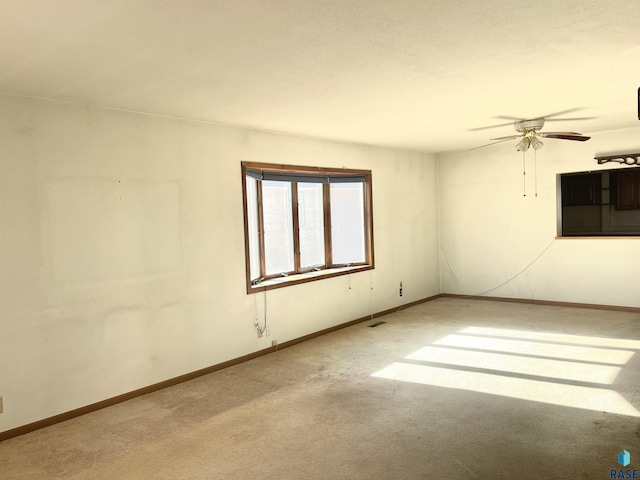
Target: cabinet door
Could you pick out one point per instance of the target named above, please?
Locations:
(583, 189)
(628, 190)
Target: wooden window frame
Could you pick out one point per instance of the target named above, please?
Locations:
(299, 274)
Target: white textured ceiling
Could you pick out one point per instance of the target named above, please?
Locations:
(411, 74)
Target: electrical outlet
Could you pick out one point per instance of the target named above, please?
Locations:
(258, 331)
(400, 292)
(274, 343)
(1, 408)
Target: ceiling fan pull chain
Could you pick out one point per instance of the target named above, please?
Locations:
(535, 166)
(524, 176)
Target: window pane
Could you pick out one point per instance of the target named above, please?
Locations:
(278, 226)
(347, 222)
(252, 220)
(311, 223)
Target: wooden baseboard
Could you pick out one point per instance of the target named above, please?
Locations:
(214, 368)
(594, 306)
(46, 422)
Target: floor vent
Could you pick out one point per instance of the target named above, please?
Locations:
(376, 324)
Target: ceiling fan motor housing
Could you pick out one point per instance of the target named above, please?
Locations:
(528, 125)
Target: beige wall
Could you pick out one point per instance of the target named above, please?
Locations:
(122, 250)
(490, 232)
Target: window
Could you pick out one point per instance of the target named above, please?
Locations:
(602, 203)
(305, 223)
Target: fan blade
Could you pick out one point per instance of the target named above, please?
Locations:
(564, 119)
(544, 134)
(510, 137)
(579, 138)
(543, 117)
(507, 117)
(491, 126)
(562, 112)
(489, 144)
(548, 117)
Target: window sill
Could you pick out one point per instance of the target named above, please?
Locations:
(305, 278)
(598, 237)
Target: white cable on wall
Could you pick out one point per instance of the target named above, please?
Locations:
(371, 295)
(509, 279)
(264, 326)
(449, 269)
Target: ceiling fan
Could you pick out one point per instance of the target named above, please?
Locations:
(530, 134)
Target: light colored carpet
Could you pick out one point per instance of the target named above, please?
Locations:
(447, 389)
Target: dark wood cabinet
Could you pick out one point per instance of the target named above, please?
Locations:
(627, 185)
(582, 189)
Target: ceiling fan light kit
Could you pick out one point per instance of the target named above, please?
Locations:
(536, 143)
(523, 145)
